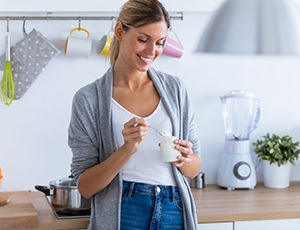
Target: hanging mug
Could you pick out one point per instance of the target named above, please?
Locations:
(103, 47)
(78, 46)
(172, 48)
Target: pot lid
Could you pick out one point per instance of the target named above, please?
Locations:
(65, 182)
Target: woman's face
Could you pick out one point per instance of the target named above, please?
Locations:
(139, 47)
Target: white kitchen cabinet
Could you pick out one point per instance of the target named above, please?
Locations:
(216, 226)
(290, 224)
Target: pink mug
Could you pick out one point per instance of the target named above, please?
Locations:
(172, 48)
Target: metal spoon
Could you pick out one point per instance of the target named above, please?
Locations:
(156, 130)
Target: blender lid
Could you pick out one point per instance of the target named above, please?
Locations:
(238, 94)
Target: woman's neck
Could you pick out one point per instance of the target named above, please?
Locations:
(129, 78)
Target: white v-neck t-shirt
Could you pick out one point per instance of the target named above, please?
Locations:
(146, 165)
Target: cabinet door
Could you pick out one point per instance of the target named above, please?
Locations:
(290, 224)
(216, 226)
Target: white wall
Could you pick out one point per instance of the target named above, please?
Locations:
(33, 130)
(104, 5)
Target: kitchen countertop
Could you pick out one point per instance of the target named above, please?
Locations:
(46, 218)
(213, 204)
(216, 204)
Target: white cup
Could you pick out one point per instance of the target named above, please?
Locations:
(78, 46)
(168, 152)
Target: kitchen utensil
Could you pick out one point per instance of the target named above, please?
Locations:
(103, 47)
(171, 47)
(64, 194)
(29, 58)
(198, 181)
(241, 115)
(156, 130)
(7, 82)
(77, 46)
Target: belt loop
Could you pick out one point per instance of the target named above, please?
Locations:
(173, 194)
(131, 189)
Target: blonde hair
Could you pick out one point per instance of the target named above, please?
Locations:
(137, 13)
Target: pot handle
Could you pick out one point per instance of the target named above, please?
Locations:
(71, 176)
(43, 189)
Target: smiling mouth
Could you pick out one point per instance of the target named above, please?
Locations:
(145, 59)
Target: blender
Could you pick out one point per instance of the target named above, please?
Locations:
(241, 115)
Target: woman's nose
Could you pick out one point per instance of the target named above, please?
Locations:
(151, 48)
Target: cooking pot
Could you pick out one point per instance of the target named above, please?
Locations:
(64, 194)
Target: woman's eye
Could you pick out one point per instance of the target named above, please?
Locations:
(143, 40)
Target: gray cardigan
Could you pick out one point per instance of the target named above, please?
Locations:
(92, 140)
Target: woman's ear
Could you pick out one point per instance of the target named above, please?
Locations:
(118, 30)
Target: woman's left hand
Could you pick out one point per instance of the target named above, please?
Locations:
(185, 147)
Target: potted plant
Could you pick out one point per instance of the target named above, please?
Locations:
(277, 153)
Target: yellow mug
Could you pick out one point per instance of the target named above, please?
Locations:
(104, 45)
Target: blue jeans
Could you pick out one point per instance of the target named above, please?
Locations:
(150, 207)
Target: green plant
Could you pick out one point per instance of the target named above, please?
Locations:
(277, 149)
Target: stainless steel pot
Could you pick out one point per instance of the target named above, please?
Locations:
(65, 195)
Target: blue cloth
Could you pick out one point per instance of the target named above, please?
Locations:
(150, 207)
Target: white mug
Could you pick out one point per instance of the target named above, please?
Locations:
(78, 46)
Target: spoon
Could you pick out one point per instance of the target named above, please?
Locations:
(156, 130)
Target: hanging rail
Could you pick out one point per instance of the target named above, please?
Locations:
(176, 17)
(27, 18)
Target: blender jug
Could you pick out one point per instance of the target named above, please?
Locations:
(241, 114)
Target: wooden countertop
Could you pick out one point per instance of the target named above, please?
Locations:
(213, 204)
(46, 218)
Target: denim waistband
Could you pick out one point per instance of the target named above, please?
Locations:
(149, 189)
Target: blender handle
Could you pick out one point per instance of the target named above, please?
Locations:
(257, 119)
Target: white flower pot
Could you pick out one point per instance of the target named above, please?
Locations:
(276, 177)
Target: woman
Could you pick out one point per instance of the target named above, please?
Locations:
(116, 157)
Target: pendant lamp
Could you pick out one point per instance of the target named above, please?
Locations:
(270, 27)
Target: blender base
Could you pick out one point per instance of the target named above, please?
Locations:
(236, 170)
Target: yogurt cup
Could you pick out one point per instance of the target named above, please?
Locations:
(167, 148)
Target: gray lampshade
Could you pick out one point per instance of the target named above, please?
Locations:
(253, 27)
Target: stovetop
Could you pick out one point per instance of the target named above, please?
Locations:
(68, 213)
(72, 214)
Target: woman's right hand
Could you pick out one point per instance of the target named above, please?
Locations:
(96, 178)
(134, 132)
